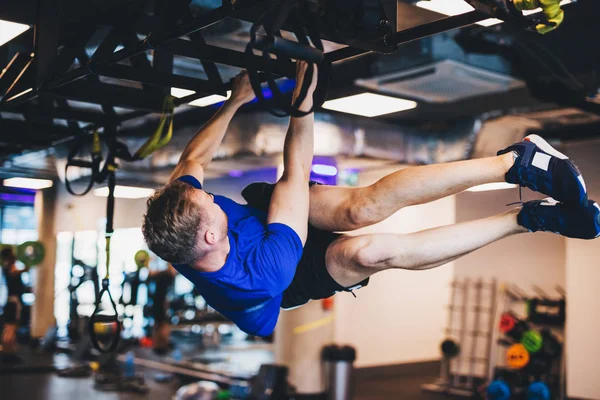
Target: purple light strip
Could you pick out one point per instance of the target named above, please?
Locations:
(17, 198)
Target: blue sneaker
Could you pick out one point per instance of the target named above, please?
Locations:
(551, 216)
(543, 169)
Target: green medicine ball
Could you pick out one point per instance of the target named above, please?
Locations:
(532, 341)
(31, 253)
(142, 258)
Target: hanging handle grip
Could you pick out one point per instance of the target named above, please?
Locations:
(97, 318)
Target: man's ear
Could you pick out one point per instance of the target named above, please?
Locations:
(210, 236)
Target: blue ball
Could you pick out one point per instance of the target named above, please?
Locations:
(498, 390)
(538, 391)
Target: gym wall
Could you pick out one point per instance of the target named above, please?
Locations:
(74, 214)
(524, 260)
(400, 316)
(582, 283)
(545, 259)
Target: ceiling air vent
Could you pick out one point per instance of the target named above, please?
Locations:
(441, 82)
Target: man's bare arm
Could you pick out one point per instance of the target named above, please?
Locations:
(289, 203)
(203, 146)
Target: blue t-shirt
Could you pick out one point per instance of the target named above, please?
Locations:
(261, 264)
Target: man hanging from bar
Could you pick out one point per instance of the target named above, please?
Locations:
(248, 260)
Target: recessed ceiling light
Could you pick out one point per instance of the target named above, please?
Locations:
(28, 183)
(369, 104)
(201, 102)
(125, 192)
(326, 170)
(10, 30)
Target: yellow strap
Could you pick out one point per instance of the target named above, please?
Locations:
(160, 137)
(550, 8)
(107, 275)
(167, 137)
(526, 4)
(96, 148)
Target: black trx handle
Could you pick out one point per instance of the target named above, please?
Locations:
(105, 319)
(93, 165)
(109, 169)
(272, 43)
(116, 149)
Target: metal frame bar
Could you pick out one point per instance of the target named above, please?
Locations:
(46, 38)
(210, 18)
(412, 34)
(11, 72)
(158, 78)
(435, 27)
(226, 56)
(104, 93)
(210, 68)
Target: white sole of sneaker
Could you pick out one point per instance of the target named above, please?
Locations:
(545, 146)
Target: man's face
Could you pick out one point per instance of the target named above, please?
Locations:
(219, 218)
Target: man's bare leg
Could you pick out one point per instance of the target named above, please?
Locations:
(351, 259)
(344, 209)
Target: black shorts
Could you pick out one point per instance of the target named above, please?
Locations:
(312, 281)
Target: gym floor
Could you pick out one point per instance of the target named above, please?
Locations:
(45, 386)
(369, 384)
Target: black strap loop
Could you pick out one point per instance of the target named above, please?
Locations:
(274, 44)
(106, 319)
(93, 165)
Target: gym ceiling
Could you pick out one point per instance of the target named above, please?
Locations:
(88, 63)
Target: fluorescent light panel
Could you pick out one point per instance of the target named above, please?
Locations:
(201, 102)
(457, 7)
(125, 192)
(369, 104)
(453, 7)
(325, 170)
(28, 183)
(10, 30)
(492, 186)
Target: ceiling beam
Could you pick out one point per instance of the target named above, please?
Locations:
(103, 93)
(153, 77)
(200, 22)
(226, 56)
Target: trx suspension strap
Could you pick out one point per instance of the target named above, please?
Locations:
(159, 139)
(273, 43)
(553, 14)
(511, 11)
(102, 324)
(97, 320)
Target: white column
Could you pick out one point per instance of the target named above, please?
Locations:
(42, 316)
(299, 338)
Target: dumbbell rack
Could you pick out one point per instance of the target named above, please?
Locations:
(514, 300)
(462, 375)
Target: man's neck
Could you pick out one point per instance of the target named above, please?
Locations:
(215, 259)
